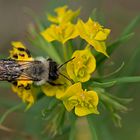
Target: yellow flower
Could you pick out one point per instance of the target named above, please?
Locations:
(61, 33)
(63, 15)
(28, 95)
(94, 34)
(20, 52)
(81, 67)
(23, 88)
(83, 102)
(57, 90)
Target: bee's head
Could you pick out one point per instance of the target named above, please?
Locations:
(53, 70)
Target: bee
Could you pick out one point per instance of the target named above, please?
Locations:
(40, 70)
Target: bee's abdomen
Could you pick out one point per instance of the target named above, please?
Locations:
(9, 70)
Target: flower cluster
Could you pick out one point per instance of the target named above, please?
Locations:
(64, 28)
(24, 89)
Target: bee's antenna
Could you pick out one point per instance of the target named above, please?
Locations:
(65, 63)
(66, 77)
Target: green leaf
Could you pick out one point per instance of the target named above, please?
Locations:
(135, 22)
(113, 82)
(124, 101)
(125, 35)
(93, 15)
(12, 109)
(5, 84)
(129, 79)
(117, 119)
(112, 47)
(113, 103)
(39, 42)
(114, 72)
(2, 56)
(130, 67)
(132, 64)
(102, 84)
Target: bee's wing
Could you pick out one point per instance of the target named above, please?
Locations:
(25, 80)
(11, 70)
(25, 66)
(8, 70)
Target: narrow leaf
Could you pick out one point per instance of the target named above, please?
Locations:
(112, 47)
(126, 34)
(3, 117)
(114, 81)
(135, 22)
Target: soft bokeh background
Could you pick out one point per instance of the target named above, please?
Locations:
(14, 21)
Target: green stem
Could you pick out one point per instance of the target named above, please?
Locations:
(65, 52)
(73, 127)
(92, 128)
(70, 50)
(3, 117)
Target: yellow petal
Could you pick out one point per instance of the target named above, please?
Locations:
(52, 18)
(63, 15)
(61, 10)
(68, 105)
(72, 90)
(94, 96)
(83, 111)
(70, 71)
(99, 46)
(49, 90)
(70, 32)
(18, 44)
(61, 33)
(107, 31)
(58, 90)
(91, 64)
(18, 54)
(49, 34)
(94, 34)
(84, 78)
(102, 35)
(27, 96)
(82, 29)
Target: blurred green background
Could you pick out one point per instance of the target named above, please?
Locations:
(14, 22)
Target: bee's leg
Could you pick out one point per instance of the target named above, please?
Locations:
(53, 84)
